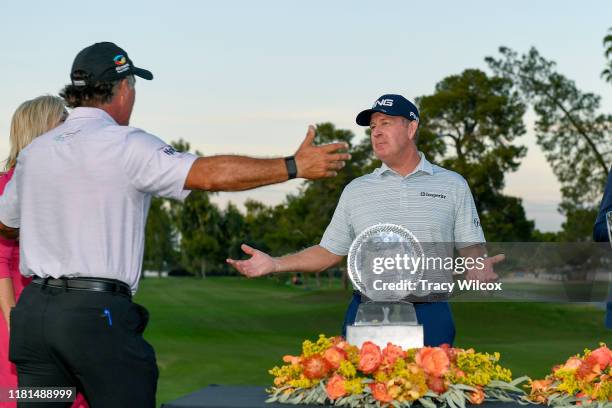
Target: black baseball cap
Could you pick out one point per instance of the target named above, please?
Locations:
(103, 61)
(390, 104)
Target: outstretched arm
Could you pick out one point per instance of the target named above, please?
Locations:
(312, 259)
(235, 173)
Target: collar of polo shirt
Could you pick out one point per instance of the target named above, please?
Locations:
(424, 166)
(87, 112)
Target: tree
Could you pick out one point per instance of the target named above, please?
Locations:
(199, 226)
(198, 222)
(478, 118)
(576, 139)
(607, 42)
(160, 238)
(233, 230)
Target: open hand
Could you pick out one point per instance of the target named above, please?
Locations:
(258, 264)
(485, 274)
(315, 162)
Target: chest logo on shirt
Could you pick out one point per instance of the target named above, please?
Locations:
(433, 195)
(476, 222)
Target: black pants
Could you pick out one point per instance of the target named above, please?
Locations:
(84, 339)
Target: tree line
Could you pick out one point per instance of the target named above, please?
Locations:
(472, 123)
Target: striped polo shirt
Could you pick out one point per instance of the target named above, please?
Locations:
(434, 203)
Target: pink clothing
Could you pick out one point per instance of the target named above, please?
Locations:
(9, 268)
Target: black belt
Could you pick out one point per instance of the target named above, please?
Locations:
(92, 284)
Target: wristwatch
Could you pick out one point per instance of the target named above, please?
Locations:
(291, 167)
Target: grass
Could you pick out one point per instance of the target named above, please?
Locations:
(232, 330)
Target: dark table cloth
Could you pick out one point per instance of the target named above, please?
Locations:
(245, 396)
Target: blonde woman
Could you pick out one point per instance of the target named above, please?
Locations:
(31, 119)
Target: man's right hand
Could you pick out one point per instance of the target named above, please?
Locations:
(315, 162)
(258, 264)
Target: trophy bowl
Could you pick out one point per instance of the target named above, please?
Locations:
(381, 267)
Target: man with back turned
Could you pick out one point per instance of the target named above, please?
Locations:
(79, 202)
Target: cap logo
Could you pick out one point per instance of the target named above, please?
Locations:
(120, 59)
(412, 115)
(383, 102)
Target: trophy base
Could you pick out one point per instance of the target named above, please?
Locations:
(405, 336)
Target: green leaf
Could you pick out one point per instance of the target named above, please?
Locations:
(427, 403)
(458, 398)
(520, 380)
(463, 387)
(505, 386)
(449, 400)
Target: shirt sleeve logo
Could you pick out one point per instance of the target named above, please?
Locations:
(169, 150)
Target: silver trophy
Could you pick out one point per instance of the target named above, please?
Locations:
(381, 268)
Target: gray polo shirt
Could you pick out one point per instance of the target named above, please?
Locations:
(80, 195)
(435, 204)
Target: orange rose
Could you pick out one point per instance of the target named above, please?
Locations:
(370, 357)
(584, 396)
(335, 387)
(334, 356)
(572, 363)
(379, 392)
(315, 367)
(437, 384)
(601, 356)
(433, 360)
(539, 390)
(339, 342)
(392, 352)
(588, 370)
(477, 397)
(291, 359)
(451, 352)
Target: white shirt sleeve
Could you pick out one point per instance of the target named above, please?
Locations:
(10, 212)
(339, 234)
(467, 229)
(154, 167)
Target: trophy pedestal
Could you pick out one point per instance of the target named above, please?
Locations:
(405, 336)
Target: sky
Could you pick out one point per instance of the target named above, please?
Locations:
(248, 77)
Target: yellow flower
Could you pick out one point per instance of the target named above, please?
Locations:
(347, 369)
(309, 348)
(479, 369)
(354, 386)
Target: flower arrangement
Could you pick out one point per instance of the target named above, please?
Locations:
(331, 370)
(582, 380)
